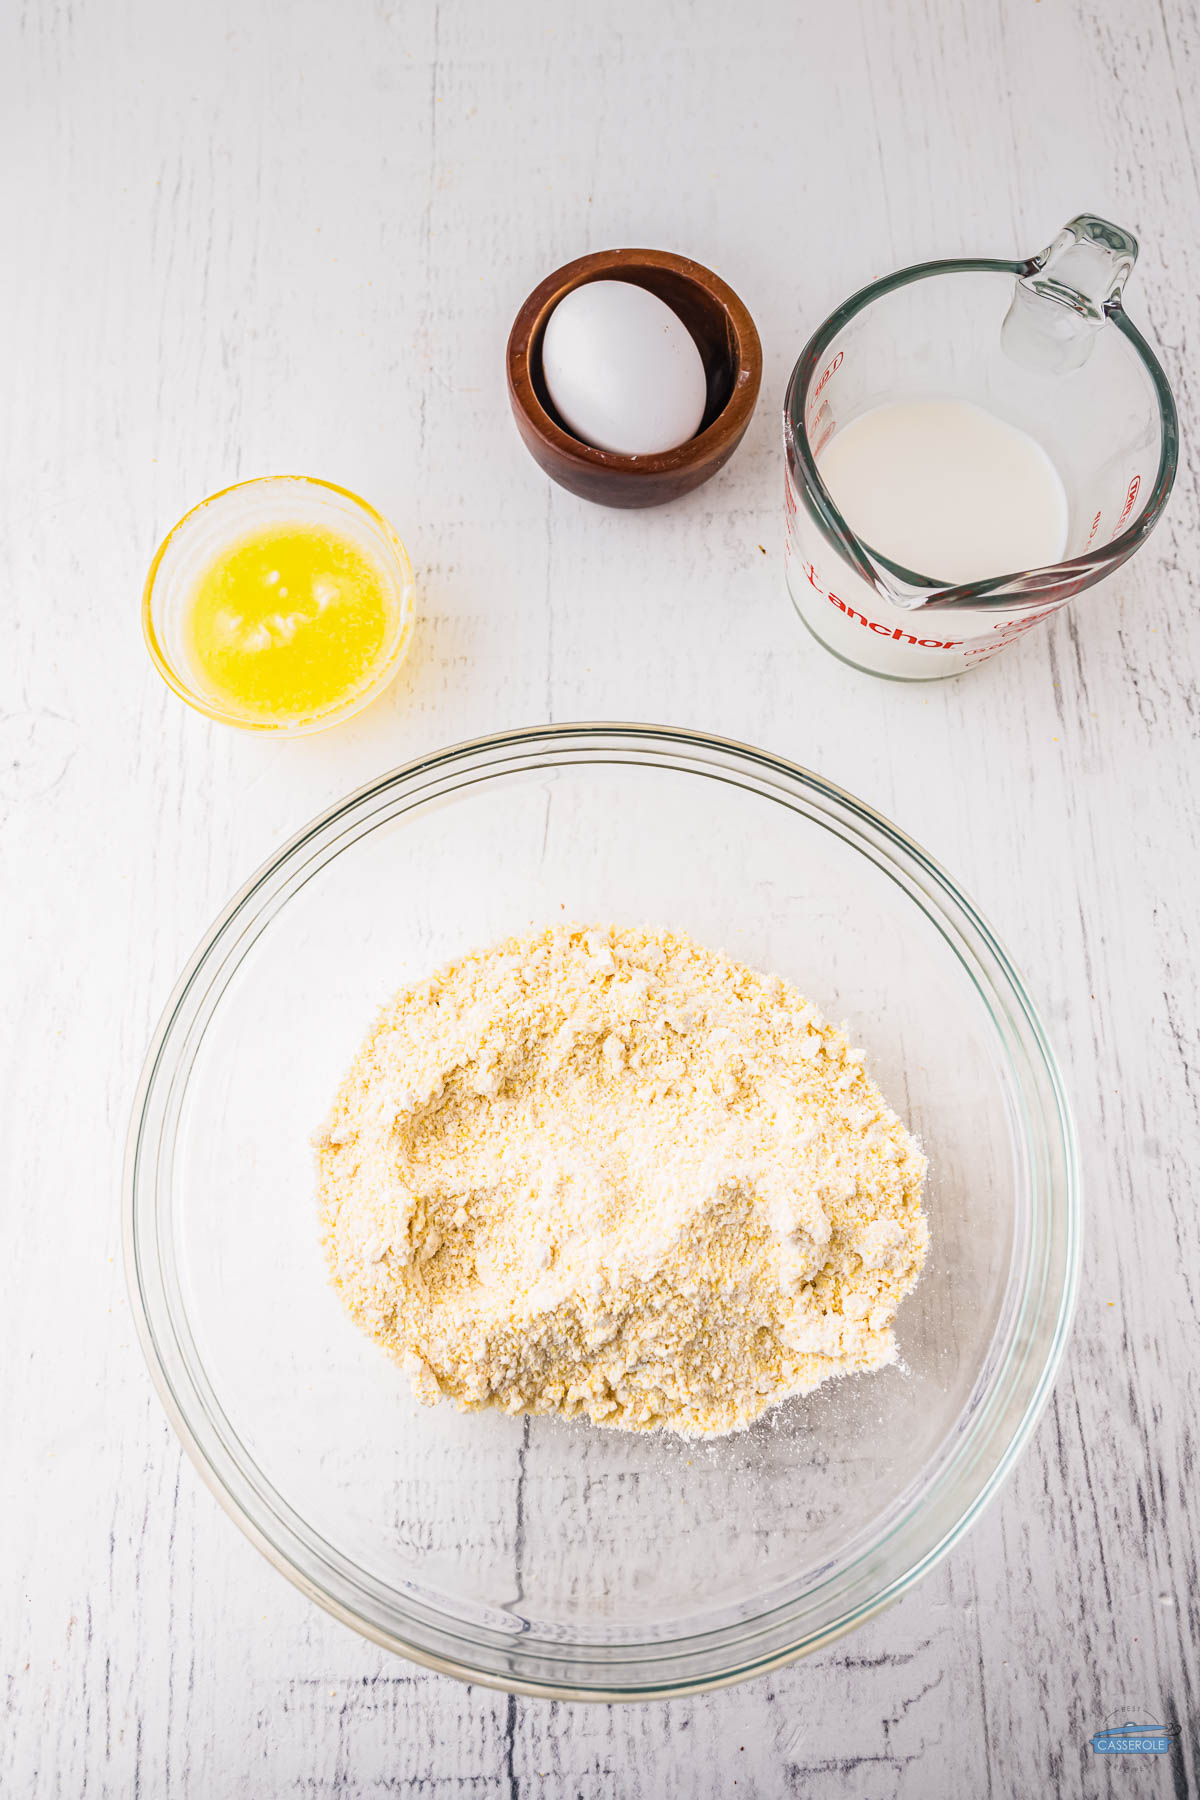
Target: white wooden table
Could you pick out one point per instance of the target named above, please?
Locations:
(273, 235)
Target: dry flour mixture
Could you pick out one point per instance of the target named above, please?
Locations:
(610, 1172)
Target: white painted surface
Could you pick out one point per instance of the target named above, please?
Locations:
(291, 236)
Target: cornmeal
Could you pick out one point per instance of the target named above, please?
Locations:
(611, 1173)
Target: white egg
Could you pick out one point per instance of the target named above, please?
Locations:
(622, 370)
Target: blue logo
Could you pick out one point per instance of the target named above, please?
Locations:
(1130, 1739)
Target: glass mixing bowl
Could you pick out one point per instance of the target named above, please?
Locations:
(533, 1554)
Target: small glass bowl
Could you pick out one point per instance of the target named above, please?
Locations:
(534, 1554)
(221, 521)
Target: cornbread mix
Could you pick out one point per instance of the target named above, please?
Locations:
(610, 1172)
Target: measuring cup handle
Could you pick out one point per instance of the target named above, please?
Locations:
(1066, 295)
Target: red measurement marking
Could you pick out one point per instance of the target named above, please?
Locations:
(1130, 497)
(1008, 629)
(824, 438)
(814, 396)
(1092, 532)
(835, 364)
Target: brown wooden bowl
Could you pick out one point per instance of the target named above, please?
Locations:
(729, 347)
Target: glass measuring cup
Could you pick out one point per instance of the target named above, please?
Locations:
(1044, 344)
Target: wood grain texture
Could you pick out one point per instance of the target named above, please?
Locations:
(290, 236)
(725, 335)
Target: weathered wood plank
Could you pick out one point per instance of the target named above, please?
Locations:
(291, 236)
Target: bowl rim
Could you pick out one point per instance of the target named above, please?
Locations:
(720, 433)
(1049, 1298)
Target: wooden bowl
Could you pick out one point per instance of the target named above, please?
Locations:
(728, 344)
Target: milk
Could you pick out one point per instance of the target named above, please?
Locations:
(945, 490)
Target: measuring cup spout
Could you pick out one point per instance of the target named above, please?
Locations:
(1067, 294)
